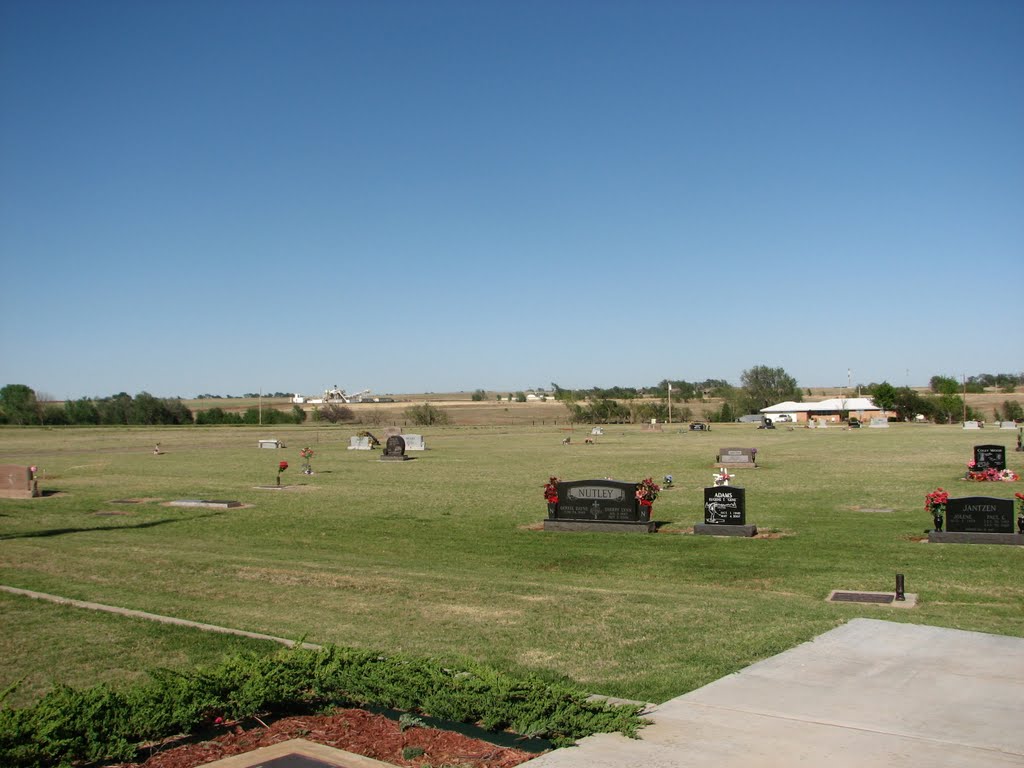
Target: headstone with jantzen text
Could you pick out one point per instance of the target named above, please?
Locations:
(979, 514)
(725, 512)
(737, 457)
(972, 425)
(598, 505)
(359, 444)
(271, 444)
(17, 482)
(879, 422)
(989, 457)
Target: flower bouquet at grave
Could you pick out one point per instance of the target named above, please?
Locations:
(935, 505)
(722, 477)
(646, 493)
(306, 454)
(551, 495)
(990, 475)
(281, 468)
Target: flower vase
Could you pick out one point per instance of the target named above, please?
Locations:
(645, 513)
(552, 511)
(1020, 524)
(938, 521)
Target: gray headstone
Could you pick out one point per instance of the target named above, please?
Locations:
(736, 456)
(359, 444)
(414, 442)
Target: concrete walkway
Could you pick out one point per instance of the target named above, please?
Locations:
(870, 694)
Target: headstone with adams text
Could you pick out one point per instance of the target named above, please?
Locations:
(989, 457)
(598, 505)
(725, 512)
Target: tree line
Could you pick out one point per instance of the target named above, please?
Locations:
(762, 386)
(19, 405)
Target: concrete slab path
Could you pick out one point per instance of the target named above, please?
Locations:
(870, 694)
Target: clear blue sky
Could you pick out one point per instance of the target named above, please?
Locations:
(431, 196)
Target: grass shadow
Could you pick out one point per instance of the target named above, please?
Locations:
(62, 531)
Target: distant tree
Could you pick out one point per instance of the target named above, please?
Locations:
(82, 411)
(334, 413)
(478, 395)
(116, 409)
(214, 416)
(1012, 411)
(883, 395)
(54, 415)
(520, 397)
(908, 404)
(426, 415)
(943, 385)
(764, 386)
(18, 405)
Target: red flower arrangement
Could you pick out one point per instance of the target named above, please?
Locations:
(551, 491)
(935, 501)
(647, 491)
(281, 468)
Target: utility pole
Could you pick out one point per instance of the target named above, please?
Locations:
(261, 406)
(670, 402)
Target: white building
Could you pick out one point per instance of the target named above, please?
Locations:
(833, 409)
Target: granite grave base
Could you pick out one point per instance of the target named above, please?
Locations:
(598, 526)
(706, 529)
(955, 537)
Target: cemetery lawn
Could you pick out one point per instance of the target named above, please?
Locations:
(441, 556)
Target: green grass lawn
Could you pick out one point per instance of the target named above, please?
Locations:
(440, 556)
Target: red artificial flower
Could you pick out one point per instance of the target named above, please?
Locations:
(282, 466)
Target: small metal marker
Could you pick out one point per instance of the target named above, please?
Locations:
(899, 587)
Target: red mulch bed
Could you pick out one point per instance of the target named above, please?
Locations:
(353, 730)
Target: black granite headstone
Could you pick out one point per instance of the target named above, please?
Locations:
(979, 514)
(725, 505)
(604, 500)
(989, 457)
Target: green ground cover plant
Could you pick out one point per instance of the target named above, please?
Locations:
(101, 723)
(441, 557)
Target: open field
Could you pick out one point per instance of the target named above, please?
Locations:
(463, 411)
(439, 556)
